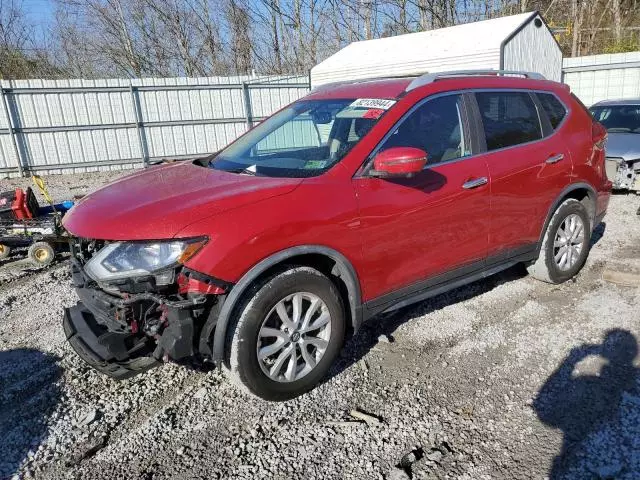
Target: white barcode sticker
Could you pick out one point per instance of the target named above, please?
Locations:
(382, 103)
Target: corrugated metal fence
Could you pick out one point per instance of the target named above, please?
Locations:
(600, 77)
(58, 126)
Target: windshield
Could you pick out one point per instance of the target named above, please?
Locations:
(618, 118)
(303, 140)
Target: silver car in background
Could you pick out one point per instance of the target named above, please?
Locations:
(621, 118)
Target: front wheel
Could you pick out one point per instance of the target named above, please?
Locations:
(5, 250)
(565, 245)
(287, 333)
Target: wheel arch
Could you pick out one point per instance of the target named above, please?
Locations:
(584, 193)
(327, 260)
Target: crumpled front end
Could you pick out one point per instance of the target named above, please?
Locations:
(132, 324)
(625, 175)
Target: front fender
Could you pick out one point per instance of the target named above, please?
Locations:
(219, 319)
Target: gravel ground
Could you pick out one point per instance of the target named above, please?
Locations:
(507, 378)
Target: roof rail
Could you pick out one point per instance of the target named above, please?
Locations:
(428, 78)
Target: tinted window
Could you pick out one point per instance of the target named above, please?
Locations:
(553, 108)
(618, 118)
(509, 118)
(435, 127)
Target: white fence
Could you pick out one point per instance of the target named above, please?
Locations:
(56, 126)
(600, 77)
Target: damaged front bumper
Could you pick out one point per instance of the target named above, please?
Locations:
(126, 329)
(625, 175)
(104, 350)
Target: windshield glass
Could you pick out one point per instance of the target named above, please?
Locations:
(618, 118)
(303, 140)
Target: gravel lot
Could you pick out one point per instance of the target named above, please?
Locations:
(507, 378)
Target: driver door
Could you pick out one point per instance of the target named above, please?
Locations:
(429, 228)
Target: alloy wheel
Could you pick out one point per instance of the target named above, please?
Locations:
(569, 242)
(293, 337)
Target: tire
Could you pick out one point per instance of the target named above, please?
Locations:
(261, 309)
(4, 251)
(549, 265)
(41, 254)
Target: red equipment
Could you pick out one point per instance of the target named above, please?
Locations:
(18, 205)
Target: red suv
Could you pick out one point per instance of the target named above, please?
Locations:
(355, 200)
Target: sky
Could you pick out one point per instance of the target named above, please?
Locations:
(41, 13)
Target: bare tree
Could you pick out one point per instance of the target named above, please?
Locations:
(617, 20)
(137, 38)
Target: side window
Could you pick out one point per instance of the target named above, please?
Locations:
(435, 127)
(553, 108)
(509, 118)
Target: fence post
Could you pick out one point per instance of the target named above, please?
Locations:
(248, 110)
(12, 132)
(137, 112)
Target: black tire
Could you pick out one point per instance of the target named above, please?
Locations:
(545, 267)
(5, 250)
(243, 333)
(41, 254)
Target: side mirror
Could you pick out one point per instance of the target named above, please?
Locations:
(399, 162)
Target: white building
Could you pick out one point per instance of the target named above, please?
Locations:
(518, 42)
(603, 77)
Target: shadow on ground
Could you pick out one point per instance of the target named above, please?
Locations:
(597, 410)
(386, 324)
(28, 394)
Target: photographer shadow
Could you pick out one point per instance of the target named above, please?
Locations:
(29, 393)
(594, 411)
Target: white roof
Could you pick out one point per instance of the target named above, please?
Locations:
(467, 46)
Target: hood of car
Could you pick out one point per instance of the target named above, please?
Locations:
(158, 202)
(623, 145)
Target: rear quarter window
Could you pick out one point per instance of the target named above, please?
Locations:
(553, 107)
(508, 118)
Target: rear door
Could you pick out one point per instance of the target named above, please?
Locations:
(528, 163)
(418, 228)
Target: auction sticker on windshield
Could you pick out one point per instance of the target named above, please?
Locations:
(382, 103)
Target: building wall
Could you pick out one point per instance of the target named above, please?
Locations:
(533, 49)
(600, 77)
(79, 125)
(468, 46)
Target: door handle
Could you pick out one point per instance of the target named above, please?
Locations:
(475, 183)
(555, 158)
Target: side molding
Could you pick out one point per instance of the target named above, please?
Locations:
(345, 271)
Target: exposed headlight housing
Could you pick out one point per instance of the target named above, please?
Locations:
(134, 259)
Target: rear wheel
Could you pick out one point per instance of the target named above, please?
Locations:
(4, 251)
(287, 333)
(41, 254)
(565, 245)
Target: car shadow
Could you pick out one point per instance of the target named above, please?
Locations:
(357, 346)
(596, 408)
(598, 233)
(29, 392)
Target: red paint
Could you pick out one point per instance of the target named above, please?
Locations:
(394, 231)
(400, 161)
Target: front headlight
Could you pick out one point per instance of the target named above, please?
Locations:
(133, 259)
